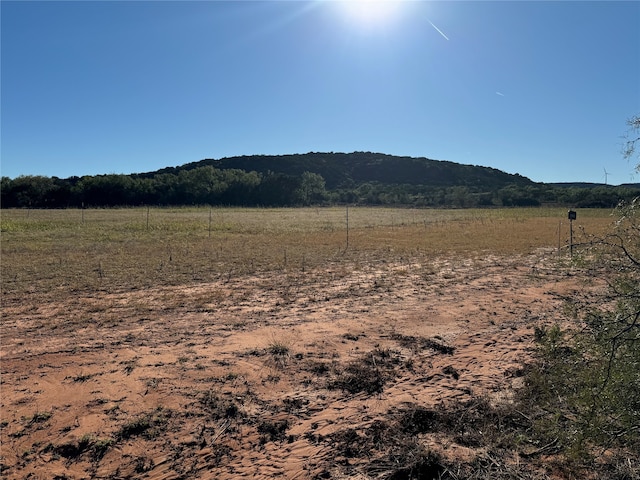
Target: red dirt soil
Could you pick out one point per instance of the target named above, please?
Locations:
(231, 379)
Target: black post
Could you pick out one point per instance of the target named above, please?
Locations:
(572, 217)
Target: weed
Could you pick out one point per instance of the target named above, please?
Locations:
(391, 452)
(129, 365)
(410, 461)
(476, 422)
(294, 405)
(219, 407)
(148, 425)
(153, 382)
(135, 427)
(317, 367)
(274, 431)
(87, 443)
(390, 447)
(272, 379)
(100, 447)
(451, 371)
(83, 377)
(368, 374)
(421, 343)
(278, 349)
(114, 410)
(351, 336)
(39, 417)
(143, 464)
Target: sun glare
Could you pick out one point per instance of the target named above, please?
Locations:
(370, 14)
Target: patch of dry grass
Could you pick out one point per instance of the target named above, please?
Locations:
(122, 249)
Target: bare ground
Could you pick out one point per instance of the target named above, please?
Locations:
(262, 376)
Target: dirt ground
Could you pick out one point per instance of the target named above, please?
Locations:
(250, 376)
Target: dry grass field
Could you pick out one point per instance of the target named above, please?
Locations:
(274, 343)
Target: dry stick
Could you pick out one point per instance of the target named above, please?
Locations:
(224, 425)
(446, 470)
(210, 213)
(548, 447)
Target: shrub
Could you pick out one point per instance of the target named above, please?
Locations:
(148, 425)
(585, 383)
(368, 374)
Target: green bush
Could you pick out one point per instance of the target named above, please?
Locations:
(585, 385)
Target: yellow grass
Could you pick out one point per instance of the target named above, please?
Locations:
(44, 251)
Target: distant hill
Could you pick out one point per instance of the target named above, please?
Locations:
(346, 170)
(358, 178)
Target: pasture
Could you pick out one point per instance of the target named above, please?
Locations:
(45, 250)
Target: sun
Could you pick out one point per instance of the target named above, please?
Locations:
(370, 14)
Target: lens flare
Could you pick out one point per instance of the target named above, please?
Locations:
(369, 14)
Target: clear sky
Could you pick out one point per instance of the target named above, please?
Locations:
(539, 88)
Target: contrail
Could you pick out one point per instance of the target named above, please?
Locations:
(500, 93)
(437, 29)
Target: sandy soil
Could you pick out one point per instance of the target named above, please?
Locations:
(242, 377)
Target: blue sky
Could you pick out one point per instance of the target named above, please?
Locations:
(538, 88)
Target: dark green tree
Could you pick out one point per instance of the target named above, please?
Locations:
(26, 191)
(278, 190)
(311, 190)
(105, 190)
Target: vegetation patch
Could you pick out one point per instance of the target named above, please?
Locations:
(317, 367)
(581, 392)
(383, 450)
(96, 447)
(395, 447)
(274, 431)
(477, 422)
(39, 417)
(219, 407)
(148, 425)
(176, 247)
(83, 377)
(421, 343)
(368, 374)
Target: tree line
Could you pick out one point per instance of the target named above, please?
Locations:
(207, 185)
